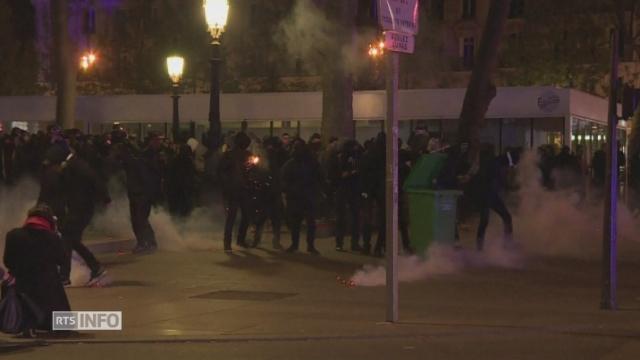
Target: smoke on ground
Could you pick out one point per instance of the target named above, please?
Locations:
(441, 260)
(201, 230)
(566, 222)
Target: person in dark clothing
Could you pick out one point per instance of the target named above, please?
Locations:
(546, 165)
(2, 139)
(485, 185)
(33, 254)
(271, 190)
(599, 166)
(181, 183)
(52, 189)
(83, 189)
(8, 149)
(374, 192)
(232, 171)
(260, 193)
(373, 195)
(345, 176)
(405, 161)
(566, 172)
(634, 180)
(143, 184)
(301, 180)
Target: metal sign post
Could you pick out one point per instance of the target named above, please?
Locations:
(399, 20)
(391, 127)
(610, 238)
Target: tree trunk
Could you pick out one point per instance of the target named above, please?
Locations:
(337, 77)
(65, 66)
(481, 89)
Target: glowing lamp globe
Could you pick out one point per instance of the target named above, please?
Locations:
(216, 12)
(175, 67)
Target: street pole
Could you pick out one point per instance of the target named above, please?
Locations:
(215, 127)
(609, 253)
(176, 114)
(391, 125)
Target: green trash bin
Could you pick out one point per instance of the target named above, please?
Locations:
(432, 213)
(425, 171)
(432, 217)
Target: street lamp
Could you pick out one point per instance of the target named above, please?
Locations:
(376, 49)
(175, 67)
(216, 12)
(87, 60)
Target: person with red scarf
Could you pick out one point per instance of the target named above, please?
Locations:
(33, 254)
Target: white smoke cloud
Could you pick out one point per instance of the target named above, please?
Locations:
(308, 34)
(546, 223)
(202, 230)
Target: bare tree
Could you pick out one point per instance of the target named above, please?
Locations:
(337, 77)
(64, 65)
(481, 89)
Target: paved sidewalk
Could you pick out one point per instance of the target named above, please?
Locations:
(266, 304)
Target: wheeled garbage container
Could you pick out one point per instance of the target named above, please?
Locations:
(432, 213)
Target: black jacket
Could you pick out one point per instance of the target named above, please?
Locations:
(301, 178)
(232, 171)
(52, 189)
(33, 256)
(83, 187)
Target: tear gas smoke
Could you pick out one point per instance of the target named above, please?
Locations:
(558, 223)
(308, 34)
(196, 232)
(440, 260)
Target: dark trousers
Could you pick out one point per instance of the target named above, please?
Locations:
(349, 200)
(233, 203)
(72, 230)
(299, 210)
(140, 209)
(368, 219)
(274, 214)
(492, 201)
(403, 224)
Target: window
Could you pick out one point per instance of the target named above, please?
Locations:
(90, 21)
(437, 9)
(516, 9)
(468, 9)
(468, 52)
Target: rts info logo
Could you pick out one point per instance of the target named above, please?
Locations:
(87, 320)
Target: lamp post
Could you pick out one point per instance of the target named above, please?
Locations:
(87, 60)
(216, 12)
(175, 68)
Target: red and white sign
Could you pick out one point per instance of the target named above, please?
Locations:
(399, 15)
(399, 42)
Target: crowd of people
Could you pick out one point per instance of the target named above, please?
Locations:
(281, 180)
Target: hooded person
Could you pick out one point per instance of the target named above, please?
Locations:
(83, 190)
(232, 173)
(301, 179)
(33, 254)
(52, 189)
(346, 176)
